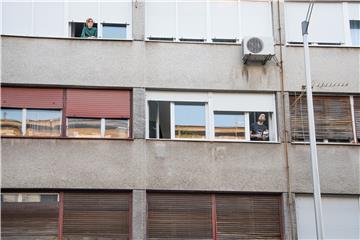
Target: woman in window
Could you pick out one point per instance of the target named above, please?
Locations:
(89, 31)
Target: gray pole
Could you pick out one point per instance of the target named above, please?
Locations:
(314, 159)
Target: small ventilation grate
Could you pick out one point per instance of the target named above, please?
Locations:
(255, 45)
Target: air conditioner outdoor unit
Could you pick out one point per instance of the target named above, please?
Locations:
(257, 49)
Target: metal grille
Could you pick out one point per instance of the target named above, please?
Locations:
(96, 216)
(332, 118)
(255, 45)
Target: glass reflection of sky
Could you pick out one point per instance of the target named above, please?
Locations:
(190, 115)
(229, 120)
(42, 114)
(116, 32)
(14, 114)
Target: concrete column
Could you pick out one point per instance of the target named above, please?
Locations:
(138, 113)
(139, 215)
(138, 18)
(289, 230)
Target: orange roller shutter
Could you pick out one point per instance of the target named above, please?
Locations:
(98, 103)
(44, 98)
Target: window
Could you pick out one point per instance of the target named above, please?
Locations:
(190, 120)
(114, 31)
(211, 116)
(30, 122)
(76, 28)
(333, 118)
(229, 125)
(93, 128)
(29, 215)
(226, 21)
(340, 217)
(11, 122)
(29, 197)
(116, 128)
(83, 127)
(259, 126)
(355, 32)
(327, 23)
(43, 123)
(213, 216)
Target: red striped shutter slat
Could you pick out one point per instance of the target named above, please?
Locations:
(96, 216)
(179, 216)
(98, 103)
(18, 97)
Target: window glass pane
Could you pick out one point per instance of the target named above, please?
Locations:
(49, 198)
(84, 127)
(114, 31)
(43, 123)
(116, 128)
(259, 126)
(229, 125)
(31, 197)
(190, 120)
(355, 32)
(9, 197)
(11, 122)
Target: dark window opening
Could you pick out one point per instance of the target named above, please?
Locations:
(259, 126)
(159, 120)
(76, 28)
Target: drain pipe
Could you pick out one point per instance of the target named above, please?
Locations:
(285, 131)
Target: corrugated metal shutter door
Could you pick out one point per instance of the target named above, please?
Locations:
(29, 220)
(179, 216)
(96, 216)
(46, 98)
(332, 118)
(248, 217)
(357, 116)
(98, 103)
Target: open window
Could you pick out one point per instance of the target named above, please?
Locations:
(76, 28)
(211, 116)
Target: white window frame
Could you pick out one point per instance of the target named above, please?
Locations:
(20, 195)
(207, 98)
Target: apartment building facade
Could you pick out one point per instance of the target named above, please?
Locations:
(146, 131)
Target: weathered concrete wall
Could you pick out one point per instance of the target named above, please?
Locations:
(132, 64)
(328, 65)
(174, 165)
(142, 164)
(339, 168)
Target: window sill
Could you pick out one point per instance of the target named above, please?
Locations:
(71, 38)
(68, 138)
(194, 42)
(212, 141)
(329, 143)
(321, 46)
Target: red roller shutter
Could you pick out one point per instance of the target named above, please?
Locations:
(179, 216)
(98, 103)
(248, 217)
(45, 98)
(96, 216)
(29, 220)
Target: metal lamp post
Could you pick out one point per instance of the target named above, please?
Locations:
(310, 107)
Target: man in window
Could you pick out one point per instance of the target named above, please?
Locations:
(258, 130)
(89, 31)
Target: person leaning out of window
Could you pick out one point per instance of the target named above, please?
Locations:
(89, 31)
(259, 130)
